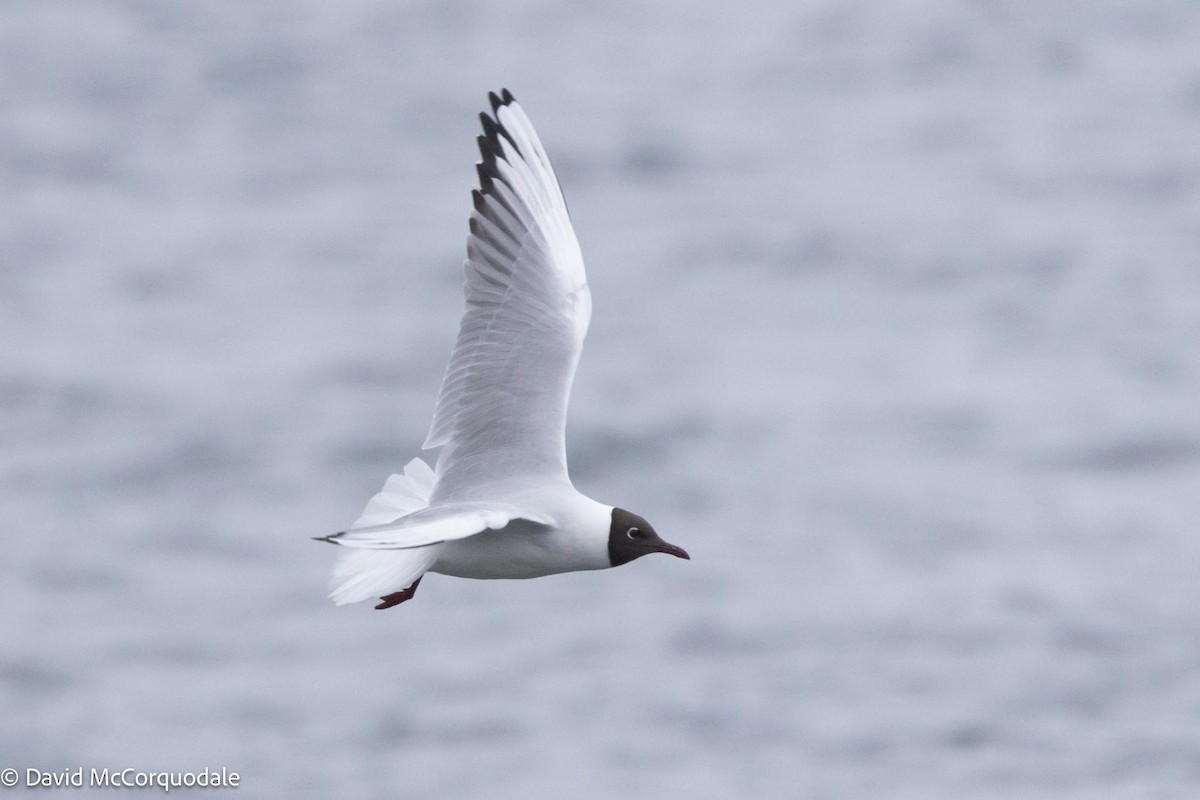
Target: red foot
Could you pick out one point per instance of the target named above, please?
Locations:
(396, 598)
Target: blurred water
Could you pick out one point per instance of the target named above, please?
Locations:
(897, 310)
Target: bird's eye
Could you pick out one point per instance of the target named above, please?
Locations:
(634, 533)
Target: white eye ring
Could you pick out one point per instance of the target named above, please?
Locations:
(634, 533)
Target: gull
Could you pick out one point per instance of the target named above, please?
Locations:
(499, 503)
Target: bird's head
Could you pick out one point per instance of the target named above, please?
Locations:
(630, 537)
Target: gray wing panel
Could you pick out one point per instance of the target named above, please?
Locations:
(502, 408)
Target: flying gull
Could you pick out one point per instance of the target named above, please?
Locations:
(499, 503)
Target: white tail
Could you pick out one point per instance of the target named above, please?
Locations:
(364, 574)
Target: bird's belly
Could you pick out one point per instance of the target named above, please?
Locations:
(496, 554)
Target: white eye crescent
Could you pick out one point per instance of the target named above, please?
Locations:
(634, 533)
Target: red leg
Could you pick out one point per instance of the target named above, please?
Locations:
(396, 598)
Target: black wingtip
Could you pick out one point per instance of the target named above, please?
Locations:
(492, 131)
(487, 122)
(489, 147)
(485, 179)
(504, 98)
(331, 538)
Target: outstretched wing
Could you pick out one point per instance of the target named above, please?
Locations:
(435, 525)
(502, 410)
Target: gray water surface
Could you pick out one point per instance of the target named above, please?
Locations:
(896, 320)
